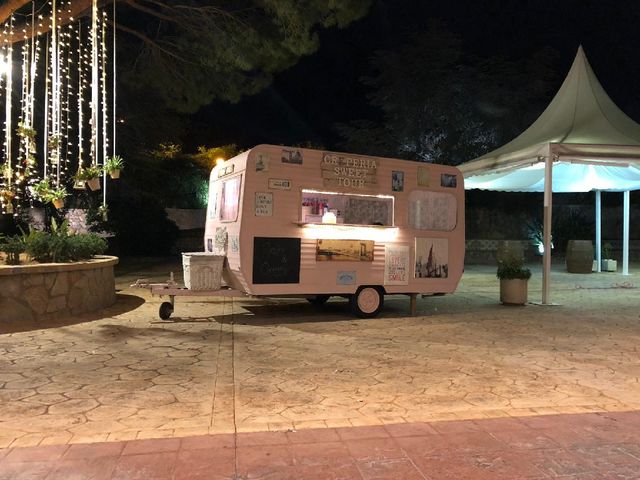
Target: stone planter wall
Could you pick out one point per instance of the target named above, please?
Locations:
(54, 290)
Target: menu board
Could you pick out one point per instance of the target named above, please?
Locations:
(276, 260)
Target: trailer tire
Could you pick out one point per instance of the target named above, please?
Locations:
(165, 311)
(318, 300)
(367, 301)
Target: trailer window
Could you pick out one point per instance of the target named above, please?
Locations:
(349, 209)
(230, 199)
(432, 211)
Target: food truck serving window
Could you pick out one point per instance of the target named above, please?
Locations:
(432, 211)
(349, 209)
(230, 199)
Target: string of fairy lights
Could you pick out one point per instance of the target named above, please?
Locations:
(59, 100)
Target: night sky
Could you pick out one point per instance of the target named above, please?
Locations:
(304, 103)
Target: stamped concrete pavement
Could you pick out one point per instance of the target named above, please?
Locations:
(224, 365)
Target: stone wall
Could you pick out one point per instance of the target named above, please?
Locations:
(484, 251)
(48, 291)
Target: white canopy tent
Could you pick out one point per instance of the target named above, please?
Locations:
(581, 142)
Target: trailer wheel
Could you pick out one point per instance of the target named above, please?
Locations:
(165, 311)
(367, 302)
(318, 300)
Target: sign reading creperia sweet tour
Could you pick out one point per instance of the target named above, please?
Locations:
(340, 170)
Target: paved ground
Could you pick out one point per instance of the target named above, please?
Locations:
(570, 447)
(224, 366)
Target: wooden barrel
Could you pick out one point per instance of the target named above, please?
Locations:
(579, 256)
(510, 249)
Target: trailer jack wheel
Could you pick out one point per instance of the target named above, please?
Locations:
(367, 302)
(166, 309)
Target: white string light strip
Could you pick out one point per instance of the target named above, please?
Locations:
(103, 89)
(94, 83)
(80, 97)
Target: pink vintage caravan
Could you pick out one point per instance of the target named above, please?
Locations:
(296, 222)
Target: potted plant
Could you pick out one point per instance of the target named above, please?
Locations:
(6, 200)
(26, 131)
(514, 278)
(40, 189)
(608, 263)
(113, 165)
(56, 196)
(47, 193)
(103, 211)
(89, 175)
(7, 195)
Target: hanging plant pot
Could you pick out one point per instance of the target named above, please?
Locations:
(58, 203)
(94, 184)
(113, 165)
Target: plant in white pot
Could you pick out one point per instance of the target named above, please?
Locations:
(608, 263)
(514, 278)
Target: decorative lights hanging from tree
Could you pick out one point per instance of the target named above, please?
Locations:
(75, 67)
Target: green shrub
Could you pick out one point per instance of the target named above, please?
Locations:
(85, 246)
(512, 268)
(12, 247)
(61, 250)
(62, 246)
(38, 245)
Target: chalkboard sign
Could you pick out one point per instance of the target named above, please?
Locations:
(276, 260)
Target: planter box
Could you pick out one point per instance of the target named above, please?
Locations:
(514, 291)
(609, 265)
(202, 271)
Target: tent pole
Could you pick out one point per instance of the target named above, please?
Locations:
(625, 234)
(599, 230)
(546, 259)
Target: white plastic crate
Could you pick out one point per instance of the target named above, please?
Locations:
(202, 270)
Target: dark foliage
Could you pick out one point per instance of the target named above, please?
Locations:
(513, 268)
(139, 224)
(441, 104)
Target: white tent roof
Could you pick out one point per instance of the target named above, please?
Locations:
(595, 146)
